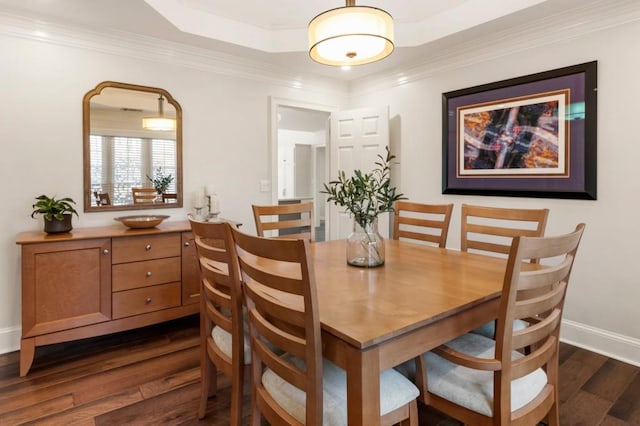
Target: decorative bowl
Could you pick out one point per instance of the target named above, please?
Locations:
(141, 221)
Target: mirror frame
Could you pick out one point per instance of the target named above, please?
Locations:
(86, 130)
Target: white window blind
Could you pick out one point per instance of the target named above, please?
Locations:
(120, 163)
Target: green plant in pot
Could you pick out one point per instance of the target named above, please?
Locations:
(160, 181)
(57, 213)
(365, 196)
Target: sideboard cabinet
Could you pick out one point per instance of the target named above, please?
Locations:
(101, 280)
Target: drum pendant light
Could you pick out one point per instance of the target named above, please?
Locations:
(160, 122)
(351, 35)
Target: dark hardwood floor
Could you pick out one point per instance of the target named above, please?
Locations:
(151, 376)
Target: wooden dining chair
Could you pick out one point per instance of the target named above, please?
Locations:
(144, 195)
(297, 385)
(293, 220)
(102, 198)
(224, 346)
(481, 381)
(490, 230)
(423, 222)
(168, 198)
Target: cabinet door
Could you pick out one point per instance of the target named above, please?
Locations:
(190, 270)
(65, 284)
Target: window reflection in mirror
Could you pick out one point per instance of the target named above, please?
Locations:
(120, 154)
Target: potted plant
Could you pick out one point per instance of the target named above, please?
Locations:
(57, 213)
(160, 181)
(365, 196)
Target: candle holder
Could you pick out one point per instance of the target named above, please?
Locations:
(198, 213)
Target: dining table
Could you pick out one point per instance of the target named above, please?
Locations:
(373, 319)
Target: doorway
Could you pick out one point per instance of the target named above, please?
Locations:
(299, 167)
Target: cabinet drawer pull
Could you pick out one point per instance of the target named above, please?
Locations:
(148, 300)
(186, 244)
(147, 247)
(105, 251)
(148, 274)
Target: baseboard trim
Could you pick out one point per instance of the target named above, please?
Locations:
(10, 339)
(607, 343)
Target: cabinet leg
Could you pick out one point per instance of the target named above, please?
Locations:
(27, 352)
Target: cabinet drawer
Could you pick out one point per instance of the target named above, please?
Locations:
(126, 276)
(145, 247)
(146, 299)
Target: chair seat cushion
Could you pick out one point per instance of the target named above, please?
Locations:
(395, 391)
(471, 388)
(489, 329)
(222, 339)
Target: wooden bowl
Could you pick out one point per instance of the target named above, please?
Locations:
(141, 221)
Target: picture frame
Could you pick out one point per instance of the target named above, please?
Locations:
(530, 136)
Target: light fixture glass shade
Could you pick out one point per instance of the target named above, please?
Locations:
(351, 35)
(159, 123)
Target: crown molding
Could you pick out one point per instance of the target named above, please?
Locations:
(129, 45)
(572, 24)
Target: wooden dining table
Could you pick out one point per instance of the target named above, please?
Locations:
(373, 319)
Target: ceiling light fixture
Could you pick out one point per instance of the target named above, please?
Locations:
(351, 35)
(160, 122)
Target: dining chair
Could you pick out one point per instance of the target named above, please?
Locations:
(102, 198)
(168, 198)
(224, 345)
(293, 220)
(490, 230)
(423, 222)
(297, 385)
(143, 195)
(481, 381)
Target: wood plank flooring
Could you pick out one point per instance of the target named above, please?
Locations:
(150, 376)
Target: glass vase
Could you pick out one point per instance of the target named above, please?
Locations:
(365, 246)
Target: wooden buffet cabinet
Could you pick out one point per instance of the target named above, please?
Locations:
(101, 280)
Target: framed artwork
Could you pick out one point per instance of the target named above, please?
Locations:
(531, 136)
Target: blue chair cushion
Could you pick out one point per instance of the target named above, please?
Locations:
(395, 391)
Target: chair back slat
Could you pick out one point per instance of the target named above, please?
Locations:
(541, 304)
(292, 221)
(538, 358)
(422, 222)
(280, 281)
(488, 247)
(532, 280)
(537, 331)
(273, 303)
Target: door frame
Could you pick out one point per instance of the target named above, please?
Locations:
(274, 103)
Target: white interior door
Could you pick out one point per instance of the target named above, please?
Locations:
(357, 138)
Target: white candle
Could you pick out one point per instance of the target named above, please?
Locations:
(210, 189)
(215, 204)
(198, 199)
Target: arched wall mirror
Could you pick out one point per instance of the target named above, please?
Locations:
(132, 138)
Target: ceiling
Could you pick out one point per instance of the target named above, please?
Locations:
(274, 31)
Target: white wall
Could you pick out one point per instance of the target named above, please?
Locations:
(287, 175)
(602, 307)
(225, 130)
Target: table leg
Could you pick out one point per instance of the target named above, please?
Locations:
(363, 387)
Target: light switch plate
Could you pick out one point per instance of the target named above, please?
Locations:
(265, 185)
